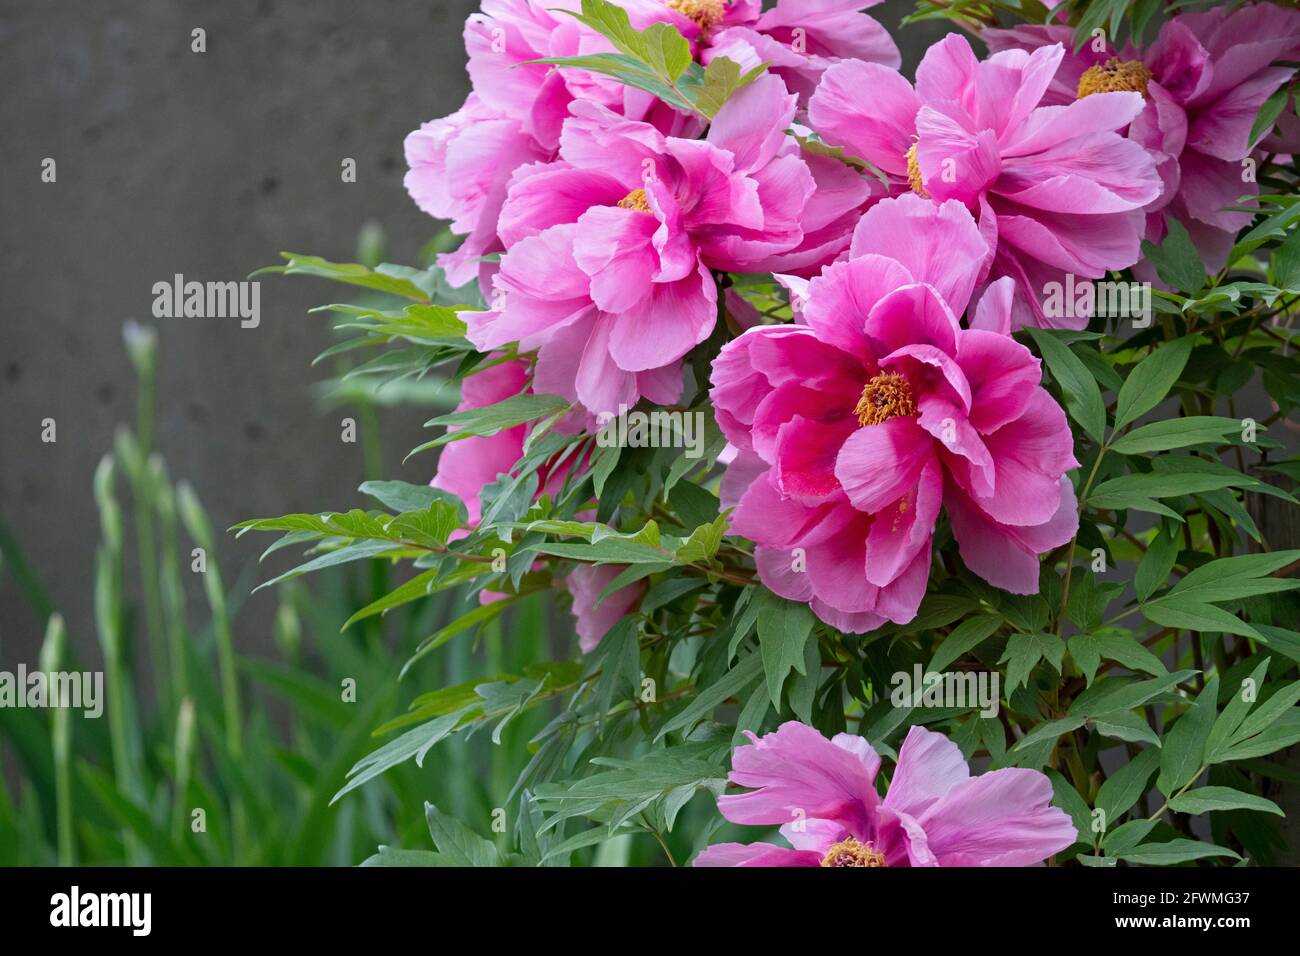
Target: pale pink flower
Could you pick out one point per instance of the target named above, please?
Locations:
(1055, 188)
(594, 617)
(1204, 79)
(611, 249)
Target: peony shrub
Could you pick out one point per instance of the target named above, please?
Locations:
(907, 456)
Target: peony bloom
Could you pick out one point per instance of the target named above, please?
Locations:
(460, 165)
(610, 249)
(852, 431)
(585, 584)
(799, 39)
(823, 794)
(1055, 188)
(1204, 80)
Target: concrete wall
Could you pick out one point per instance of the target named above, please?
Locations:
(204, 164)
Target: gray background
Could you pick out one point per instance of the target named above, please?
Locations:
(207, 165)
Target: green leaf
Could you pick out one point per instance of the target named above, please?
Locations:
(1244, 575)
(1235, 712)
(1183, 755)
(1211, 799)
(1268, 114)
(1151, 380)
(402, 496)
(1127, 726)
(351, 273)
(1178, 433)
(1174, 851)
(1121, 693)
(732, 684)
(1176, 260)
(457, 843)
(357, 551)
(1127, 784)
(1066, 798)
(665, 50)
(1126, 836)
(1136, 491)
(1025, 650)
(1286, 262)
(1049, 730)
(1078, 387)
(1283, 733)
(722, 79)
(1191, 615)
(965, 637)
(414, 743)
(1089, 649)
(429, 528)
(491, 419)
(784, 628)
(1153, 570)
(703, 543)
(391, 856)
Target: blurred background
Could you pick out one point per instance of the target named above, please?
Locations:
(207, 165)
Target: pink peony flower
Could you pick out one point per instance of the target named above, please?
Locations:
(798, 39)
(1055, 188)
(460, 165)
(823, 794)
(585, 584)
(1204, 80)
(854, 429)
(609, 249)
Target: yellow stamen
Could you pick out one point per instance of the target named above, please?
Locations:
(707, 13)
(1116, 76)
(914, 173)
(849, 852)
(636, 200)
(884, 397)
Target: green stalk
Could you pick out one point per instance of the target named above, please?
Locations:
(196, 523)
(200, 531)
(172, 588)
(184, 757)
(108, 620)
(131, 456)
(52, 656)
(142, 347)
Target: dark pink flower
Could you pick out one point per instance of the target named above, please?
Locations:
(823, 796)
(855, 429)
(1056, 189)
(1204, 80)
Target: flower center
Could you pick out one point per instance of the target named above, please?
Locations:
(707, 13)
(914, 173)
(636, 201)
(849, 852)
(1128, 76)
(884, 397)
